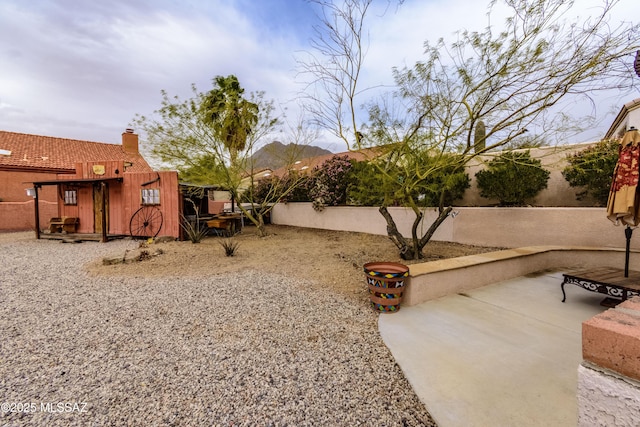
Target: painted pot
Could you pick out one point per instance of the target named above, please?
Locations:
(386, 282)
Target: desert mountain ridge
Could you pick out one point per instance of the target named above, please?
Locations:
(276, 154)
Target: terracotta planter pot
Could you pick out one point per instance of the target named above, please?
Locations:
(386, 282)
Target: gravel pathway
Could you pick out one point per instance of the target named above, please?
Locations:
(222, 350)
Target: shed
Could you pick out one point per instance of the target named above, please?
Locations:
(106, 201)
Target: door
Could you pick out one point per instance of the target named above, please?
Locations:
(100, 195)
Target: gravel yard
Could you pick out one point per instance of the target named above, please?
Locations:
(233, 349)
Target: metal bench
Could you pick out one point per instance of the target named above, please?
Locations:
(605, 280)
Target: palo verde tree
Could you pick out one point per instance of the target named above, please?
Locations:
(333, 68)
(209, 137)
(508, 79)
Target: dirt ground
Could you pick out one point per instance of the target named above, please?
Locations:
(334, 259)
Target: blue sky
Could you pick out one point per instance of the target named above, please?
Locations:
(83, 69)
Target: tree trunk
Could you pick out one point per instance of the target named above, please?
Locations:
(417, 249)
(444, 213)
(412, 250)
(262, 231)
(406, 252)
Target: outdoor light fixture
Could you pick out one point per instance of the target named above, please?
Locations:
(31, 192)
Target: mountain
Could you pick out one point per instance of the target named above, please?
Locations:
(276, 155)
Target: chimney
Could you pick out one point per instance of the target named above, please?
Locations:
(130, 141)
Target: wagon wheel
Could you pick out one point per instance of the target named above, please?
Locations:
(146, 222)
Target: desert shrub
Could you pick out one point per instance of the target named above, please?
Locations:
(328, 186)
(230, 246)
(143, 255)
(512, 178)
(274, 188)
(195, 230)
(261, 191)
(298, 187)
(592, 170)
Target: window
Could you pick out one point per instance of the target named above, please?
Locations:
(70, 197)
(151, 196)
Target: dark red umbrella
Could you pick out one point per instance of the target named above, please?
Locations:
(623, 206)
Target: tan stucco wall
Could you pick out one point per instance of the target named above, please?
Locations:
(499, 227)
(431, 280)
(558, 191)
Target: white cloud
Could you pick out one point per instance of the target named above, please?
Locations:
(84, 69)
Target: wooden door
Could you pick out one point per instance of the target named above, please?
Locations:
(100, 193)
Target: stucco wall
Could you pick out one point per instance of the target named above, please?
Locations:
(606, 399)
(558, 191)
(13, 185)
(19, 216)
(500, 227)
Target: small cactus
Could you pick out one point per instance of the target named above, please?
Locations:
(479, 137)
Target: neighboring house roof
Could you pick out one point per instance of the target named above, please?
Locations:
(308, 164)
(619, 124)
(46, 153)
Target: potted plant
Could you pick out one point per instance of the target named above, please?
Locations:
(386, 282)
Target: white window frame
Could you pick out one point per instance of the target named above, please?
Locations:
(71, 197)
(150, 196)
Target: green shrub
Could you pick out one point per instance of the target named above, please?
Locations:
(592, 170)
(365, 186)
(268, 190)
(368, 186)
(512, 178)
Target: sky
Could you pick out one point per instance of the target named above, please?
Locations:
(83, 69)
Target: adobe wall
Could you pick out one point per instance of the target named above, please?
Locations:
(13, 186)
(20, 216)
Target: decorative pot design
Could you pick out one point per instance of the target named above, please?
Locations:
(386, 284)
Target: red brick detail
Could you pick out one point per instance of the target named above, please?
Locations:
(612, 339)
(631, 304)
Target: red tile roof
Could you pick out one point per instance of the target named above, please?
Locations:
(19, 150)
(308, 164)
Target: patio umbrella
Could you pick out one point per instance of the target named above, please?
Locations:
(623, 206)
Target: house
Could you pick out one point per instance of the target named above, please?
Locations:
(308, 164)
(102, 186)
(628, 117)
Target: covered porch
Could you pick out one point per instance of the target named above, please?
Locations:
(103, 201)
(86, 202)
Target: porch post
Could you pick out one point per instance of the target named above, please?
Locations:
(104, 212)
(37, 211)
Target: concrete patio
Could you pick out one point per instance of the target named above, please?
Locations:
(506, 354)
